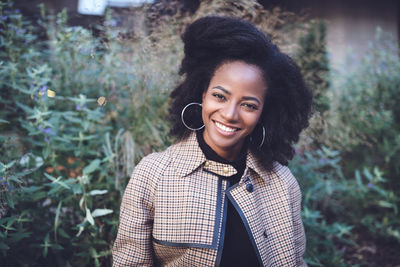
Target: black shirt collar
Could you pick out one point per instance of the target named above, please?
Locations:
(238, 163)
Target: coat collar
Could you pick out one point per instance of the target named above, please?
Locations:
(187, 156)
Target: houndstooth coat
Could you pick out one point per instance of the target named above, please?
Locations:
(174, 209)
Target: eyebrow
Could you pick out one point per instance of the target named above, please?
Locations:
(229, 93)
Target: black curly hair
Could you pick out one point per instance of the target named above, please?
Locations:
(211, 41)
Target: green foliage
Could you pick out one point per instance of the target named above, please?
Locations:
(368, 110)
(65, 159)
(336, 208)
(313, 61)
(366, 129)
(322, 182)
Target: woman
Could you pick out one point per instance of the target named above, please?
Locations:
(222, 195)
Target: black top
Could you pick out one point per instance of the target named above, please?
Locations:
(237, 250)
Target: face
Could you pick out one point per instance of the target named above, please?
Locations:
(232, 106)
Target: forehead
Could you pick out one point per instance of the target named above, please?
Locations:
(240, 77)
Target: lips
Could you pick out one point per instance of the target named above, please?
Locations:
(225, 128)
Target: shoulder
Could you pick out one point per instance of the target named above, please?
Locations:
(146, 175)
(284, 173)
(154, 163)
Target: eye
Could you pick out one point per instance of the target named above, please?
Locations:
(250, 106)
(218, 96)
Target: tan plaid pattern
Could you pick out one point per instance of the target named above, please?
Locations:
(172, 211)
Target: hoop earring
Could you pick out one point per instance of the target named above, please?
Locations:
(183, 121)
(263, 137)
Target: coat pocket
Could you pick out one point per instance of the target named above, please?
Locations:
(188, 211)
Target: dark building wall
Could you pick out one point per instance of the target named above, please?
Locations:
(351, 24)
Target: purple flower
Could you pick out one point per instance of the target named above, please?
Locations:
(20, 31)
(46, 140)
(49, 131)
(39, 128)
(43, 89)
(370, 185)
(79, 107)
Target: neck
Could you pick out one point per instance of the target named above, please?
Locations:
(229, 153)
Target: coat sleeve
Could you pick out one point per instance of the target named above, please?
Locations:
(299, 234)
(133, 245)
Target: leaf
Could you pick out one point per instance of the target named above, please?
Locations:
(57, 219)
(38, 196)
(4, 121)
(81, 203)
(385, 204)
(46, 245)
(81, 228)
(57, 181)
(24, 107)
(46, 152)
(31, 189)
(368, 174)
(72, 119)
(92, 166)
(358, 179)
(89, 216)
(101, 212)
(63, 233)
(97, 192)
(95, 256)
(10, 164)
(77, 189)
(15, 237)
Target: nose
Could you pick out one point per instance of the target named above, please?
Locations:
(230, 112)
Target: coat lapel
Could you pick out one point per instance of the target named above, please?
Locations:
(268, 212)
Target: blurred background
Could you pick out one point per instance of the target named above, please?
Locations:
(84, 96)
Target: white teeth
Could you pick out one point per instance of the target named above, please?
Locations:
(225, 128)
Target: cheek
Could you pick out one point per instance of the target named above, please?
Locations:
(208, 106)
(205, 110)
(252, 120)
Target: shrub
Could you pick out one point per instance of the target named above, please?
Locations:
(367, 128)
(73, 110)
(313, 61)
(337, 209)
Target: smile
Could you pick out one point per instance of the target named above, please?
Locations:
(226, 128)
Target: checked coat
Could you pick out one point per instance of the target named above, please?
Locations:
(173, 212)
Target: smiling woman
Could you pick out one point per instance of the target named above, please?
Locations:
(222, 195)
(232, 106)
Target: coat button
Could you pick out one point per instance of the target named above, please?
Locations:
(265, 234)
(225, 170)
(249, 188)
(207, 164)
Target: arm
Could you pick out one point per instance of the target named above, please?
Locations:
(133, 245)
(299, 235)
